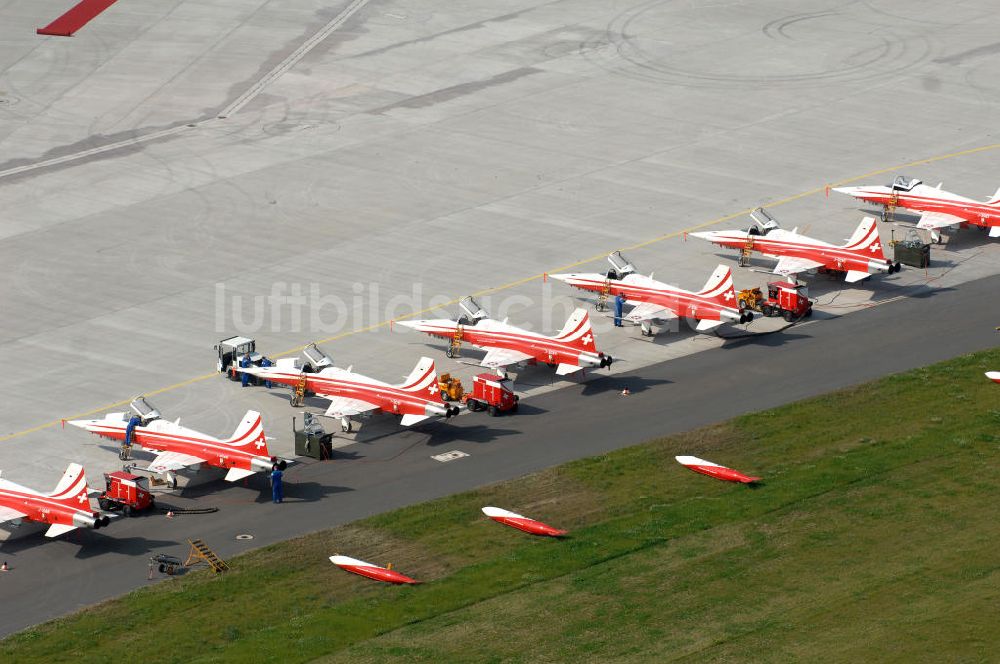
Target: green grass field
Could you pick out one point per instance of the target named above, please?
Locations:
(873, 538)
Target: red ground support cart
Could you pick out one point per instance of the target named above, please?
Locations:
(788, 300)
(492, 393)
(126, 492)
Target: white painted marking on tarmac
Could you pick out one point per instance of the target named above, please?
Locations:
(292, 59)
(449, 456)
(234, 107)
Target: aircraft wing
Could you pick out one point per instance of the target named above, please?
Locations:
(235, 474)
(704, 325)
(648, 311)
(346, 406)
(167, 461)
(792, 265)
(502, 357)
(935, 220)
(57, 529)
(9, 514)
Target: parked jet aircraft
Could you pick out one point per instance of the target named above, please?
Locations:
(66, 508)
(352, 394)
(940, 208)
(244, 454)
(860, 257)
(712, 306)
(570, 350)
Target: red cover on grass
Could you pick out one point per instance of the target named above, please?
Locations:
(77, 17)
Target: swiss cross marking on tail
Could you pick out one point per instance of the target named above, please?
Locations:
(259, 444)
(875, 247)
(82, 498)
(728, 296)
(589, 339)
(431, 389)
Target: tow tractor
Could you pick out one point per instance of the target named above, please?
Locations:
(231, 351)
(451, 388)
(492, 393)
(126, 492)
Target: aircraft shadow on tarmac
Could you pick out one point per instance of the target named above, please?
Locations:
(477, 433)
(303, 492)
(635, 385)
(99, 544)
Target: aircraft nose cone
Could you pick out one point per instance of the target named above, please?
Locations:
(704, 235)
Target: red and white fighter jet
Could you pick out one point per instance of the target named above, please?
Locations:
(994, 376)
(177, 447)
(940, 208)
(66, 508)
(352, 394)
(712, 306)
(860, 257)
(571, 350)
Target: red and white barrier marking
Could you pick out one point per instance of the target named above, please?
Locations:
(522, 522)
(371, 571)
(714, 470)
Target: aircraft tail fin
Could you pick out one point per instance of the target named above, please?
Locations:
(423, 380)
(72, 488)
(577, 331)
(719, 287)
(866, 239)
(250, 433)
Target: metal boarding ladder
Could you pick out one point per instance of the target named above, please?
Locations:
(890, 206)
(746, 251)
(299, 395)
(200, 553)
(603, 295)
(456, 341)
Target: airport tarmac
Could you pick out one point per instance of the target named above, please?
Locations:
(296, 171)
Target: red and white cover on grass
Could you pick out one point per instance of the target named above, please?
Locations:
(371, 571)
(522, 522)
(994, 376)
(715, 470)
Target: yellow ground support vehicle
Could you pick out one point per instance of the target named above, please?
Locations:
(451, 388)
(750, 298)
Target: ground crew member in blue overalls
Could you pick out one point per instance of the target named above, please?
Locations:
(619, 305)
(245, 364)
(276, 490)
(126, 450)
(266, 362)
